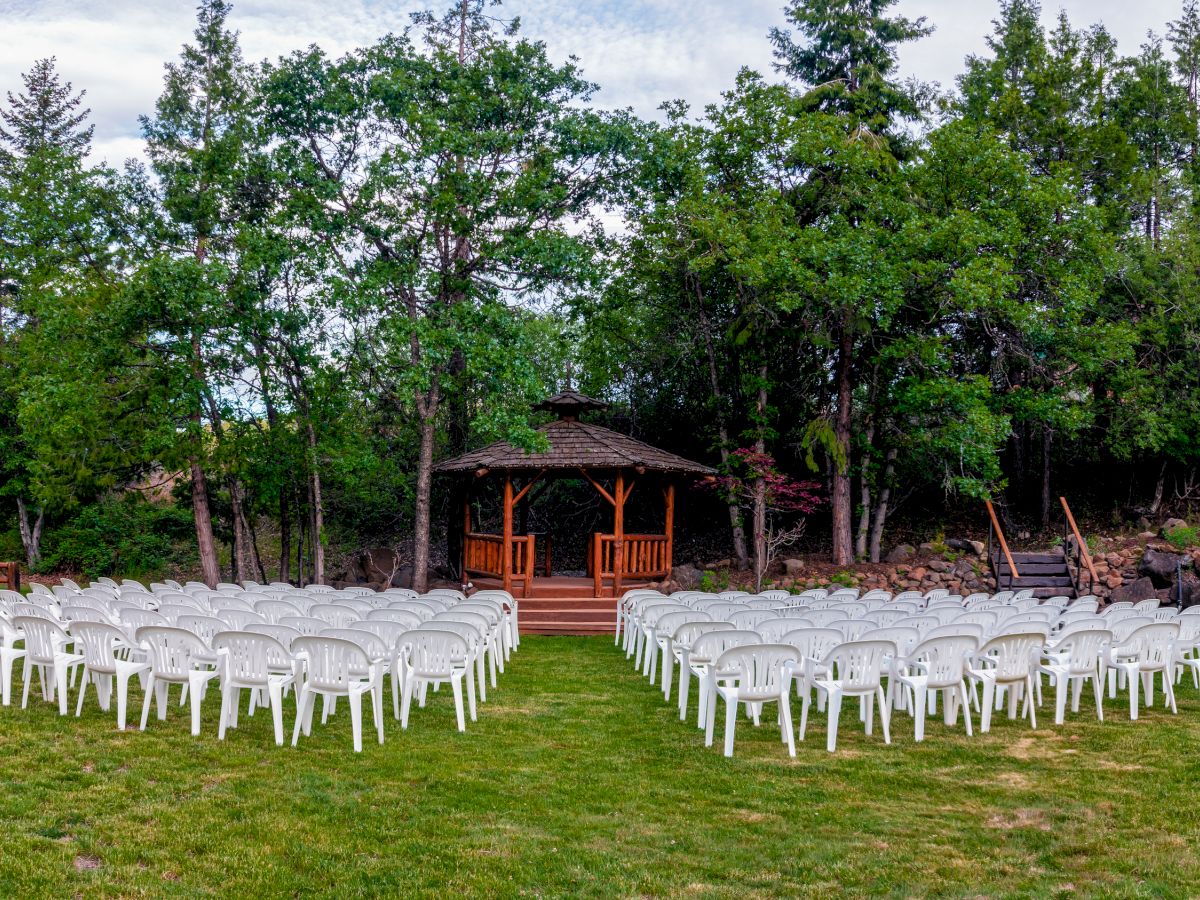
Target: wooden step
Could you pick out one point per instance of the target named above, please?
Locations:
(1031, 569)
(565, 628)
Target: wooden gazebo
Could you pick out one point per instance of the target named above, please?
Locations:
(611, 462)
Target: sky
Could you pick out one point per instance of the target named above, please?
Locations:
(640, 52)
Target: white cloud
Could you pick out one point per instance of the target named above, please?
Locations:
(641, 52)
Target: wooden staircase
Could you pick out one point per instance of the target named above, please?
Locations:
(1046, 574)
(568, 615)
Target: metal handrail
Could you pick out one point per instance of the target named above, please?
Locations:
(1080, 544)
(1012, 566)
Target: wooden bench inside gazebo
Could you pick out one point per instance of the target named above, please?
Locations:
(614, 464)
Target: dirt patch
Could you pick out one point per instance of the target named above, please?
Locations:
(1024, 817)
(84, 862)
(1030, 748)
(1013, 780)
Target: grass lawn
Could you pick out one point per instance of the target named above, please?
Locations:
(579, 781)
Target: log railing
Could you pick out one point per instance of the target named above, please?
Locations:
(483, 554)
(643, 556)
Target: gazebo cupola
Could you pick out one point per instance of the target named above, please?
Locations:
(613, 463)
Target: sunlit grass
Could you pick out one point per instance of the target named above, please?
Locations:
(579, 780)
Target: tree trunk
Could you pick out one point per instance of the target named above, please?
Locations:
(31, 536)
(301, 521)
(736, 528)
(864, 519)
(881, 509)
(242, 558)
(1159, 485)
(843, 551)
(420, 578)
(210, 568)
(760, 484)
(317, 510)
(1047, 436)
(285, 537)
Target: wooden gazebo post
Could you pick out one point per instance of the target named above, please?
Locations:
(506, 550)
(669, 527)
(618, 532)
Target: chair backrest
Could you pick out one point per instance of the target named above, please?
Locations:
(1153, 644)
(238, 619)
(406, 593)
(84, 614)
(822, 618)
(1148, 605)
(944, 658)
(387, 631)
(43, 637)
(859, 664)
(1123, 628)
(712, 644)
(425, 610)
(762, 671)
(373, 644)
(748, 619)
(685, 635)
(404, 617)
(360, 606)
(668, 624)
(957, 628)
(306, 625)
(249, 656)
(852, 629)
(173, 651)
(1013, 654)
(982, 617)
(98, 642)
(331, 664)
(274, 609)
(1162, 614)
(468, 632)
(902, 636)
(722, 612)
(281, 633)
(335, 614)
(814, 642)
(923, 623)
(1116, 607)
(139, 618)
(888, 616)
(433, 653)
(204, 627)
(172, 611)
(37, 587)
(773, 630)
(793, 612)
(1084, 646)
(474, 618)
(774, 594)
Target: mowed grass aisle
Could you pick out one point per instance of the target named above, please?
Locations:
(578, 780)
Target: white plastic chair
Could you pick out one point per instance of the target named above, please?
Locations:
(936, 664)
(1075, 657)
(853, 669)
(103, 647)
(176, 657)
(1006, 663)
(252, 662)
(433, 657)
(335, 668)
(1149, 650)
(46, 647)
(706, 649)
(753, 674)
(10, 636)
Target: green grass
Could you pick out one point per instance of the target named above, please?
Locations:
(578, 780)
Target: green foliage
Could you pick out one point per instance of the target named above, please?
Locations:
(1183, 537)
(121, 537)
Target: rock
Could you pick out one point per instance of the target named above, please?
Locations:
(793, 567)
(927, 546)
(1147, 535)
(379, 564)
(939, 565)
(687, 576)
(918, 573)
(1142, 589)
(901, 553)
(1160, 567)
(1113, 581)
(1170, 525)
(976, 547)
(1191, 593)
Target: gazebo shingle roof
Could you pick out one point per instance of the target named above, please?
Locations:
(575, 445)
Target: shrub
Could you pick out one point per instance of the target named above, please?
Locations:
(1183, 537)
(120, 536)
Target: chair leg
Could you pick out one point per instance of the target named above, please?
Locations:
(668, 670)
(805, 703)
(919, 707)
(456, 687)
(122, 698)
(226, 690)
(355, 700)
(785, 719)
(985, 714)
(60, 682)
(685, 678)
(87, 676)
(1098, 689)
(377, 709)
(1060, 699)
(303, 700)
(966, 705)
(1169, 690)
(866, 708)
(731, 710)
(406, 701)
(275, 692)
(469, 678)
(834, 707)
(885, 717)
(1133, 695)
(26, 671)
(196, 682)
(150, 691)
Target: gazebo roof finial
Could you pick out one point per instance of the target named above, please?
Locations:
(569, 404)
